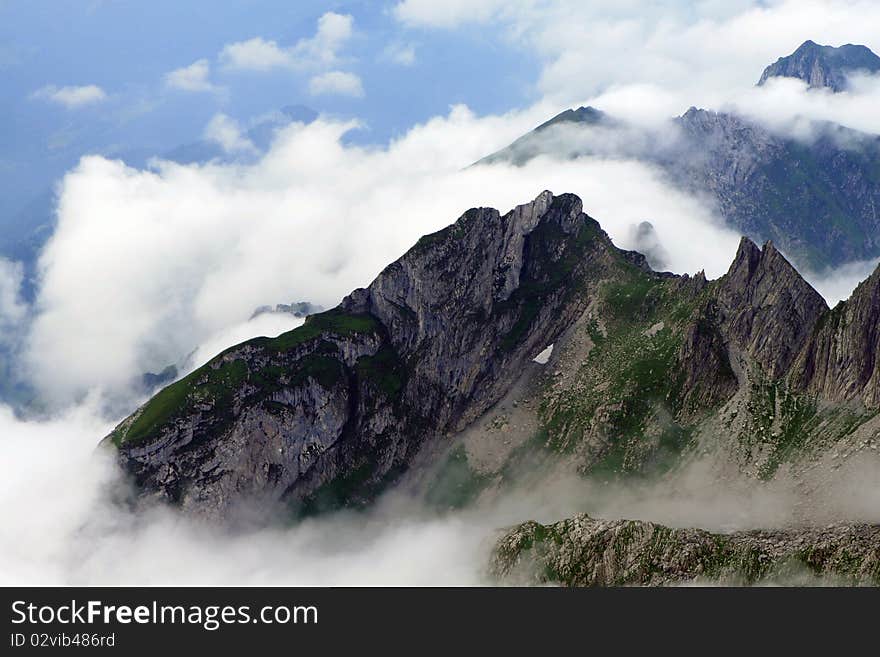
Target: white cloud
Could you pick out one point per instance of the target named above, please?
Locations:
(71, 97)
(403, 54)
(334, 30)
(62, 527)
(258, 54)
(195, 77)
(699, 54)
(336, 82)
(447, 14)
(226, 132)
(255, 54)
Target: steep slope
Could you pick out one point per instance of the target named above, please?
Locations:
(330, 412)
(766, 309)
(553, 131)
(823, 66)
(816, 199)
(584, 551)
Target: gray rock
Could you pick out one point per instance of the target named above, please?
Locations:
(823, 66)
(766, 308)
(584, 551)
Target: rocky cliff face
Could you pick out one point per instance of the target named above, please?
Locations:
(648, 372)
(584, 551)
(328, 413)
(823, 66)
(766, 309)
(662, 370)
(840, 362)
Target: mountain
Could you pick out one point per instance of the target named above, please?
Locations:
(648, 371)
(333, 410)
(816, 199)
(535, 142)
(584, 551)
(823, 66)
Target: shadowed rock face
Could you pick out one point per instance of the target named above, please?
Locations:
(816, 199)
(330, 412)
(766, 309)
(840, 362)
(823, 66)
(583, 551)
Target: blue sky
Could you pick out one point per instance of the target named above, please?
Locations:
(126, 48)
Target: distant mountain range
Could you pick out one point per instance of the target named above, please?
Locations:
(816, 198)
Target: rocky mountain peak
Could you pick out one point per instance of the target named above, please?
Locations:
(767, 309)
(330, 412)
(585, 115)
(823, 66)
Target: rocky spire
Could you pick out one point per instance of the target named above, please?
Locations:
(766, 309)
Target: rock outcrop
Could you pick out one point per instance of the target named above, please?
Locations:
(767, 309)
(583, 551)
(823, 66)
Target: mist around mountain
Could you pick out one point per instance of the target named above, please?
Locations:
(516, 399)
(813, 192)
(425, 380)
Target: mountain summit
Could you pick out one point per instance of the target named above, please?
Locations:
(823, 66)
